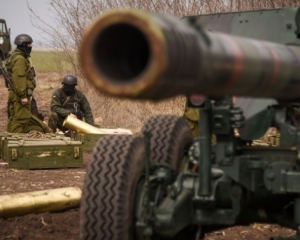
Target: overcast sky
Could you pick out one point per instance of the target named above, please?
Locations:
(17, 16)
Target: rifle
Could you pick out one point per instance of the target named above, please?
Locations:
(8, 82)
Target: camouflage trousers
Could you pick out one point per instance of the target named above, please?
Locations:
(56, 121)
(22, 121)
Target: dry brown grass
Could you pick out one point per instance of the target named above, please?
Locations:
(115, 113)
(120, 113)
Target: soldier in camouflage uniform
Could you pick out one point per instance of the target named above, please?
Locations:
(69, 101)
(192, 117)
(19, 68)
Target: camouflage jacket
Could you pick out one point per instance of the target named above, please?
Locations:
(191, 114)
(19, 69)
(77, 104)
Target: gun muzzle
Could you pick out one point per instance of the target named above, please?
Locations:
(134, 54)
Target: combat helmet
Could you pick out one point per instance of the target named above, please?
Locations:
(22, 38)
(69, 79)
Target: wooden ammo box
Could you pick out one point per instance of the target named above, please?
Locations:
(5, 137)
(44, 153)
(88, 140)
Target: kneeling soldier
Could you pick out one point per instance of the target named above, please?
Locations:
(69, 101)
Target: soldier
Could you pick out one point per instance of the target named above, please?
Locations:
(192, 117)
(22, 75)
(69, 101)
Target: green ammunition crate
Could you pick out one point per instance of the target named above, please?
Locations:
(44, 154)
(5, 138)
(88, 140)
(4, 150)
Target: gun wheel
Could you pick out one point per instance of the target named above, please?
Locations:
(115, 175)
(170, 140)
(117, 163)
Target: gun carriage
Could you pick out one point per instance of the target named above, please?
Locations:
(164, 184)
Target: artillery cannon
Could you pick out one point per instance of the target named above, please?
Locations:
(165, 184)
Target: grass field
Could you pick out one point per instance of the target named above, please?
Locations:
(51, 66)
(114, 112)
(50, 61)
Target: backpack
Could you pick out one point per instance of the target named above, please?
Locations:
(8, 66)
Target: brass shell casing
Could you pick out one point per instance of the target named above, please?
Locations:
(39, 201)
(79, 126)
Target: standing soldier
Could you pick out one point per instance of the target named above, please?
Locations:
(22, 75)
(69, 101)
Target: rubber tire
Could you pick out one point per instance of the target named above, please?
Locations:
(105, 211)
(116, 166)
(171, 138)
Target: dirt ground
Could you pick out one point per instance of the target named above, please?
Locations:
(65, 224)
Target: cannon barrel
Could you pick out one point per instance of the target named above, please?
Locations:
(134, 54)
